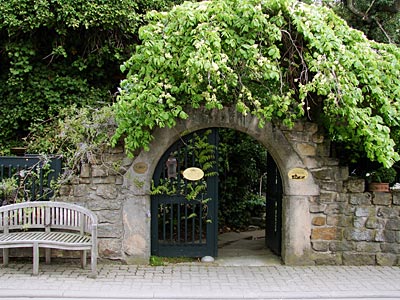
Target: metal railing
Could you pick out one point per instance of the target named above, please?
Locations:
(28, 178)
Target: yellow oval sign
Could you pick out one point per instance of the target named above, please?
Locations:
(298, 174)
(140, 167)
(193, 174)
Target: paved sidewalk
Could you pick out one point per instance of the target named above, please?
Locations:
(199, 281)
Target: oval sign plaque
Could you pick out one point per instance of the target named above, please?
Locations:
(140, 167)
(193, 174)
(298, 174)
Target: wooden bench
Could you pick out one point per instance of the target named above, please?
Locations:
(49, 225)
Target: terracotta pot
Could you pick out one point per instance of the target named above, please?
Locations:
(378, 187)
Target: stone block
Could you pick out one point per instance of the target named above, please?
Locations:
(386, 259)
(109, 216)
(369, 247)
(360, 199)
(388, 212)
(335, 208)
(339, 220)
(328, 197)
(65, 190)
(98, 203)
(311, 128)
(393, 224)
(341, 174)
(355, 185)
(85, 180)
(396, 197)
(342, 197)
(384, 199)
(104, 180)
(318, 221)
(324, 233)
(359, 222)
(324, 173)
(106, 230)
(336, 246)
(306, 149)
(80, 190)
(324, 149)
(320, 246)
(99, 171)
(390, 248)
(328, 259)
(358, 259)
(336, 186)
(375, 223)
(364, 212)
(110, 248)
(359, 234)
(390, 236)
(107, 191)
(85, 170)
(317, 208)
(318, 138)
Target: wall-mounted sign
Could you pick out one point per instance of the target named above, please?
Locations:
(298, 174)
(193, 174)
(140, 167)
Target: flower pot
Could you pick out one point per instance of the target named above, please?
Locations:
(378, 187)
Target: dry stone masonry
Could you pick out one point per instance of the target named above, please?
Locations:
(328, 217)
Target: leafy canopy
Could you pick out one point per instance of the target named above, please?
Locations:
(279, 60)
(59, 53)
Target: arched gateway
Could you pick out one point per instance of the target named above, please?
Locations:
(293, 150)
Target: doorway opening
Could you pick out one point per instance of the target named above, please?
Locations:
(232, 211)
(246, 171)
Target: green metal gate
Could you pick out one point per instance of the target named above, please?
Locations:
(184, 201)
(273, 229)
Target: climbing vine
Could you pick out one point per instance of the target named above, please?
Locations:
(200, 154)
(279, 60)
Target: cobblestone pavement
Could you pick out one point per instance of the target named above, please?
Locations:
(199, 281)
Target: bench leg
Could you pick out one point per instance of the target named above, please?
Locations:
(93, 261)
(83, 258)
(5, 256)
(35, 259)
(48, 255)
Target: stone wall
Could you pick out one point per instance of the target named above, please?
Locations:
(328, 218)
(353, 227)
(99, 187)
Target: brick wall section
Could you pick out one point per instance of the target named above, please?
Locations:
(355, 227)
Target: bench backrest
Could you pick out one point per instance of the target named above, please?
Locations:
(46, 215)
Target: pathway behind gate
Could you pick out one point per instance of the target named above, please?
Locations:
(200, 281)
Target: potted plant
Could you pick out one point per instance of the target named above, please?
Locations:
(380, 179)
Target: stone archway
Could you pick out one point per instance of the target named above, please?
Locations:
(292, 149)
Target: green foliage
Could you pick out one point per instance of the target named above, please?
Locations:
(24, 183)
(378, 19)
(279, 60)
(81, 135)
(242, 167)
(386, 175)
(204, 155)
(58, 53)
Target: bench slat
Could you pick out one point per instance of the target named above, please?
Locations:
(50, 225)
